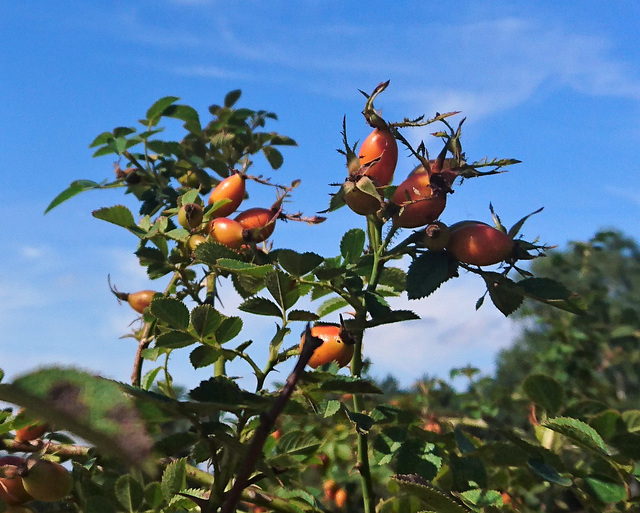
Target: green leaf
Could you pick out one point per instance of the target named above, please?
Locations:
(74, 188)
(338, 384)
(578, 432)
(261, 306)
(505, 293)
(393, 316)
(553, 293)
(210, 252)
(203, 356)
(468, 472)
(429, 495)
(101, 139)
(606, 489)
(352, 245)
(548, 473)
(331, 305)
(95, 409)
(362, 423)
(223, 393)
(149, 377)
(105, 150)
(185, 113)
(302, 315)
(171, 311)
(129, 492)
(247, 285)
(632, 420)
(427, 273)
(205, 321)
(606, 423)
(333, 407)
(175, 339)
(298, 264)
(417, 457)
(298, 442)
(229, 328)
(156, 110)
(282, 140)
(174, 478)
(393, 277)
(545, 392)
(232, 97)
(274, 157)
(376, 305)
(282, 288)
(481, 498)
(239, 267)
(121, 216)
(153, 495)
(179, 234)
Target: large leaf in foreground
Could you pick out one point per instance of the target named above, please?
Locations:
(94, 408)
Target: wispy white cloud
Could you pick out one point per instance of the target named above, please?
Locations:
(504, 62)
(630, 195)
(450, 334)
(212, 72)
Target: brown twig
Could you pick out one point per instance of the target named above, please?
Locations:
(143, 343)
(267, 421)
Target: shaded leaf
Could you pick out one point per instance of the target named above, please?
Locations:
(331, 305)
(393, 316)
(548, 473)
(376, 305)
(76, 187)
(274, 157)
(229, 328)
(352, 245)
(210, 252)
(261, 306)
(427, 273)
(328, 382)
(232, 97)
(129, 492)
(298, 442)
(94, 408)
(171, 311)
(578, 432)
(174, 478)
(239, 267)
(505, 293)
(203, 356)
(155, 111)
(544, 391)
(302, 315)
(606, 489)
(175, 339)
(205, 321)
(282, 288)
(430, 496)
(298, 264)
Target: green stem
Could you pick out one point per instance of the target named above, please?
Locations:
(363, 465)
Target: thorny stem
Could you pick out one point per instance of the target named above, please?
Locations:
(363, 442)
(377, 245)
(267, 421)
(143, 343)
(145, 340)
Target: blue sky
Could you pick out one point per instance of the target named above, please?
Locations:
(556, 85)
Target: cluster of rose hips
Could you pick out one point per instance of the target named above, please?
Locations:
(420, 199)
(25, 480)
(254, 225)
(333, 492)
